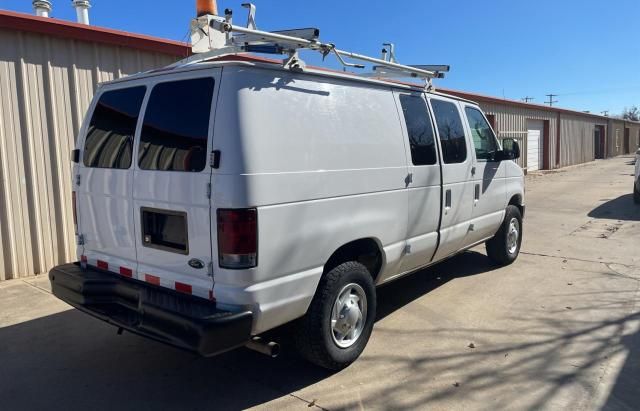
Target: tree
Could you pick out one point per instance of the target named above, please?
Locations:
(632, 113)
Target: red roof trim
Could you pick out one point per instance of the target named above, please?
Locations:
(497, 100)
(65, 29)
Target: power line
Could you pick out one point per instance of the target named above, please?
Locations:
(551, 100)
(528, 99)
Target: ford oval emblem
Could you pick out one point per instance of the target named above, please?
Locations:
(195, 263)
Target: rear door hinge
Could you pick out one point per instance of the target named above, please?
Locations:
(208, 190)
(77, 179)
(80, 239)
(210, 269)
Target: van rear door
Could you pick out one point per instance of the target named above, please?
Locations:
(171, 183)
(104, 181)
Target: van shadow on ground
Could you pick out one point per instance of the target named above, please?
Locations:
(72, 361)
(621, 208)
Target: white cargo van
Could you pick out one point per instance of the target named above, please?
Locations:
(218, 200)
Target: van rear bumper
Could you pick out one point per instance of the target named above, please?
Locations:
(161, 314)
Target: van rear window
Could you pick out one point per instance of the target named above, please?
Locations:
(109, 140)
(176, 126)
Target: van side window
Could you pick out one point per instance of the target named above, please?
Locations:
(176, 126)
(450, 131)
(419, 129)
(483, 138)
(109, 140)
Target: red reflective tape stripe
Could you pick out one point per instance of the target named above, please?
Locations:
(127, 272)
(152, 279)
(211, 297)
(103, 265)
(83, 258)
(183, 288)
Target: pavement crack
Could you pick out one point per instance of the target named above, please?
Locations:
(44, 290)
(585, 260)
(313, 403)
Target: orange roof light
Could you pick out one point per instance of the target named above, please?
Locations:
(204, 7)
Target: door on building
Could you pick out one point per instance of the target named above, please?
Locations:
(598, 142)
(627, 148)
(535, 132)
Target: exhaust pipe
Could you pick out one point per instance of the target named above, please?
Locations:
(272, 349)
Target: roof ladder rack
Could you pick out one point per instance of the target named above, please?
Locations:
(216, 36)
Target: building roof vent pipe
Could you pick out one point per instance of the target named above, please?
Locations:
(82, 10)
(42, 8)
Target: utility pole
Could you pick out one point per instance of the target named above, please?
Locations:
(605, 113)
(527, 99)
(551, 100)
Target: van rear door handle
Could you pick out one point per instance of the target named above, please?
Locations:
(476, 194)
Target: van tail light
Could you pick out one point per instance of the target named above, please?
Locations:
(237, 238)
(75, 213)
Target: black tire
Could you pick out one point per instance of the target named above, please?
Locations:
(636, 195)
(498, 249)
(313, 335)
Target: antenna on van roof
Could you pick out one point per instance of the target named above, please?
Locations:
(214, 36)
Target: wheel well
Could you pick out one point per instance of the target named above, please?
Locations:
(516, 200)
(366, 251)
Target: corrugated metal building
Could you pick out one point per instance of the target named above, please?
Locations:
(553, 137)
(49, 70)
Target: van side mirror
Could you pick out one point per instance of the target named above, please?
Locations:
(510, 150)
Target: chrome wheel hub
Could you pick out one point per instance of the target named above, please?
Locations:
(513, 234)
(348, 315)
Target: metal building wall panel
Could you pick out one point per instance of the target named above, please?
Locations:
(615, 145)
(511, 122)
(577, 139)
(635, 136)
(46, 85)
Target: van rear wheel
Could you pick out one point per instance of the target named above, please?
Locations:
(340, 319)
(636, 194)
(504, 247)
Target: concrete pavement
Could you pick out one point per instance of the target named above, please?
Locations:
(559, 329)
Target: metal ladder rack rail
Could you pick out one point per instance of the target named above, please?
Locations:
(285, 43)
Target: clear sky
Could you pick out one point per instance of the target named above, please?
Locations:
(586, 51)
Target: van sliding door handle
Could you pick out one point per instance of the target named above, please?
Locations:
(476, 194)
(447, 199)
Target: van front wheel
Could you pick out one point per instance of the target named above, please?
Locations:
(504, 247)
(340, 319)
